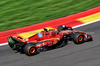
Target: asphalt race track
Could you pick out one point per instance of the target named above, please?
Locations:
(86, 54)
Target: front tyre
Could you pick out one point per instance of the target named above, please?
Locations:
(78, 38)
(30, 49)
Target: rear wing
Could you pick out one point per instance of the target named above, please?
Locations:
(13, 40)
(14, 43)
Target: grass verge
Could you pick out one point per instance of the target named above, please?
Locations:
(21, 13)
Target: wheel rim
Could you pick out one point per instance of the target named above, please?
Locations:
(32, 50)
(80, 39)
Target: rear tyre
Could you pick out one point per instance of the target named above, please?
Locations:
(30, 49)
(78, 38)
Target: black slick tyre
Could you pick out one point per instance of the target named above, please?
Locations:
(30, 49)
(78, 38)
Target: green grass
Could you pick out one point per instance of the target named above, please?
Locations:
(20, 13)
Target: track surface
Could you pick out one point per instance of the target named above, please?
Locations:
(87, 54)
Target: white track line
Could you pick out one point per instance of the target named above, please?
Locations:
(86, 23)
(3, 44)
(73, 27)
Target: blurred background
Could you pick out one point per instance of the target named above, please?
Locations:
(21, 13)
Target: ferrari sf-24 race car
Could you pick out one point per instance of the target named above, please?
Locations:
(52, 38)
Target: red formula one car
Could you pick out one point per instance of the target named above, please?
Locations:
(52, 38)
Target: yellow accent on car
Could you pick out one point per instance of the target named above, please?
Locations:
(31, 33)
(90, 18)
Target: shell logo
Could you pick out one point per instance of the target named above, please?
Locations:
(55, 42)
